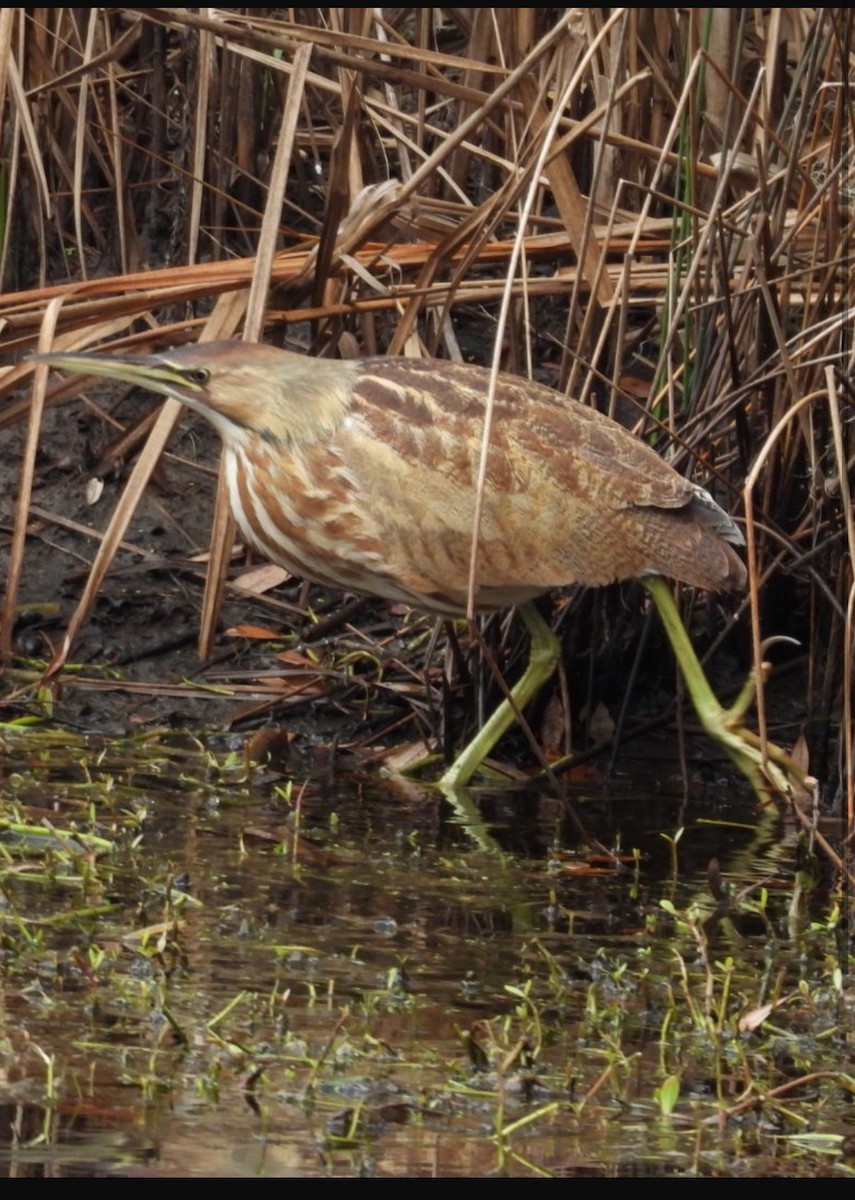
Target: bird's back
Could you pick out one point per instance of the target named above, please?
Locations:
(386, 501)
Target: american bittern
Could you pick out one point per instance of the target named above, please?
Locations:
(362, 475)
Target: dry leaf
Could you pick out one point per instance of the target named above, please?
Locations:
(269, 746)
(552, 728)
(295, 659)
(262, 578)
(256, 632)
(403, 757)
(755, 1017)
(602, 726)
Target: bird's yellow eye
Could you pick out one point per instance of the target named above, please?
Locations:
(199, 375)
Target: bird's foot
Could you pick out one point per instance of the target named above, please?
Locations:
(769, 769)
(771, 772)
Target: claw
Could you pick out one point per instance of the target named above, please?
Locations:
(769, 769)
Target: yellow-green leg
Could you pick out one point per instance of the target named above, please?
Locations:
(543, 659)
(774, 773)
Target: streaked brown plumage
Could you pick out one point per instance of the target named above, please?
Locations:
(362, 475)
(381, 498)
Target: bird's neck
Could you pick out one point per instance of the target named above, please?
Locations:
(309, 402)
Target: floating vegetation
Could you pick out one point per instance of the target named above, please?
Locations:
(274, 976)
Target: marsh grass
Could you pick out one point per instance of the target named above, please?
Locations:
(650, 208)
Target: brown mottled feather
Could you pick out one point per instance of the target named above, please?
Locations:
(570, 497)
(362, 475)
(381, 498)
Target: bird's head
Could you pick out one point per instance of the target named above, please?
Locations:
(242, 388)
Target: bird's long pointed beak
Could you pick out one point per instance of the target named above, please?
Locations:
(147, 371)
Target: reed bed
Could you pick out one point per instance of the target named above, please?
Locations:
(648, 208)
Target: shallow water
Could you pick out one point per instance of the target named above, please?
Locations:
(341, 976)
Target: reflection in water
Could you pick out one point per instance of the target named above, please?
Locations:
(247, 983)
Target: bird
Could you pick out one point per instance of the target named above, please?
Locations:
(362, 475)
